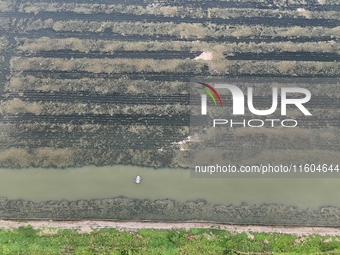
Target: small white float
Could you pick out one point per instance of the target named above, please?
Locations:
(138, 179)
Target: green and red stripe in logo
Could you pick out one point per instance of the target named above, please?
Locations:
(210, 94)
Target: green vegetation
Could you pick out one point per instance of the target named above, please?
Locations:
(26, 241)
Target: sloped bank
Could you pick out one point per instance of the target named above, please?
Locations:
(122, 208)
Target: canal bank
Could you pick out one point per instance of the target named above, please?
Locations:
(164, 195)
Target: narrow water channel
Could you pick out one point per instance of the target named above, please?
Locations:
(91, 182)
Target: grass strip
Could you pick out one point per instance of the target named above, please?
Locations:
(26, 240)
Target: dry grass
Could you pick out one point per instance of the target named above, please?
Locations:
(331, 133)
(16, 106)
(216, 66)
(169, 11)
(46, 44)
(287, 67)
(122, 85)
(53, 157)
(292, 68)
(56, 108)
(321, 47)
(294, 157)
(15, 83)
(280, 133)
(39, 7)
(43, 157)
(6, 6)
(86, 45)
(185, 30)
(105, 65)
(15, 157)
(243, 32)
(335, 32)
(230, 13)
(47, 232)
(3, 43)
(5, 23)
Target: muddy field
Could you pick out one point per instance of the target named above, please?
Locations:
(107, 83)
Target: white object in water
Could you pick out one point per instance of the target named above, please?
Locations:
(138, 179)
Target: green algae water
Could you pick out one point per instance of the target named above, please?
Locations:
(91, 182)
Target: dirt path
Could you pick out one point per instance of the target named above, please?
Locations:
(87, 226)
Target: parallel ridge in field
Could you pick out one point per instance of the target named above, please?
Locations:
(92, 77)
(164, 54)
(311, 5)
(109, 35)
(112, 137)
(85, 96)
(153, 76)
(287, 56)
(102, 17)
(99, 119)
(144, 99)
(121, 119)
